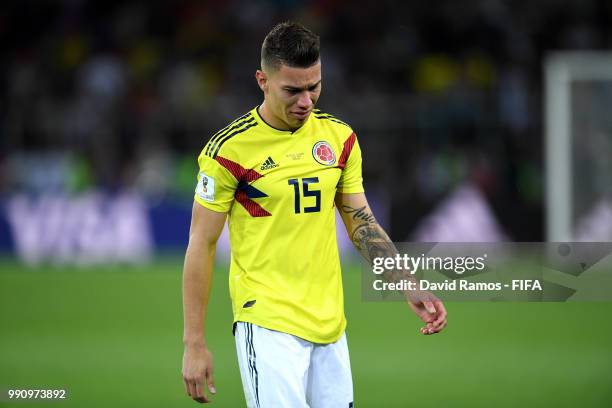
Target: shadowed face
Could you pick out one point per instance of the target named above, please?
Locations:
(290, 94)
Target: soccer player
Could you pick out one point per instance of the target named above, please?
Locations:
(277, 174)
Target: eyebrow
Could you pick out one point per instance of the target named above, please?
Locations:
(292, 88)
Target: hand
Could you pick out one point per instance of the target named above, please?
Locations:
(197, 367)
(430, 309)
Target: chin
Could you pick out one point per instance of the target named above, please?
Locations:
(298, 123)
(293, 122)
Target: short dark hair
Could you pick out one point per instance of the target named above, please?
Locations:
(290, 44)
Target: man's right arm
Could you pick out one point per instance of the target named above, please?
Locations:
(206, 226)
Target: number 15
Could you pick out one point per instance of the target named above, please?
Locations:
(306, 193)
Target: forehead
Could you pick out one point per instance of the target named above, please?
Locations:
(298, 77)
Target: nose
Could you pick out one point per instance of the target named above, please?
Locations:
(304, 101)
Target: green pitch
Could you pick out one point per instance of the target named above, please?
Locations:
(112, 338)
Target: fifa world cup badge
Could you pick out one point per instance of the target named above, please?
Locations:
(206, 187)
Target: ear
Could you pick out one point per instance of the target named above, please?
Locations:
(262, 80)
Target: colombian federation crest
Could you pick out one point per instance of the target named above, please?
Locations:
(323, 153)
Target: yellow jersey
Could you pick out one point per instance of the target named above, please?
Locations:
(278, 188)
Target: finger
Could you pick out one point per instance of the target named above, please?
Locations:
(192, 389)
(186, 386)
(210, 381)
(427, 329)
(441, 313)
(440, 327)
(200, 396)
(439, 320)
(429, 306)
(431, 329)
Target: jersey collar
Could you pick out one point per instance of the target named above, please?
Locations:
(274, 130)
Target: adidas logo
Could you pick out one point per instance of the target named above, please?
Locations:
(268, 164)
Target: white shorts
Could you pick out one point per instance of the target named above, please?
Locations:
(281, 370)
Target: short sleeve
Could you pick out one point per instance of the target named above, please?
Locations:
(216, 186)
(351, 180)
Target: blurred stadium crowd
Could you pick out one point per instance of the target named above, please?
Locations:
(442, 95)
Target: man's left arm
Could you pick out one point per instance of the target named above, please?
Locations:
(372, 241)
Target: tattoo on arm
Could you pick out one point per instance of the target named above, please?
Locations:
(359, 213)
(371, 240)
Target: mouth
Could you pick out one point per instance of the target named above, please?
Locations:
(300, 115)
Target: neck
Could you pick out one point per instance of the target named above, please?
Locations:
(271, 119)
